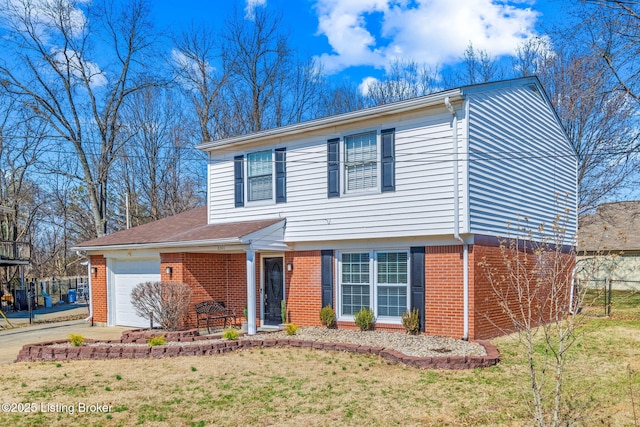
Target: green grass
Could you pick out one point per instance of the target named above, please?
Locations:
(295, 386)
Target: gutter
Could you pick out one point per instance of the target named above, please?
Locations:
(333, 121)
(456, 222)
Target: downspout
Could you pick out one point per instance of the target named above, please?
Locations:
(456, 223)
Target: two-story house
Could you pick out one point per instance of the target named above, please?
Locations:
(390, 207)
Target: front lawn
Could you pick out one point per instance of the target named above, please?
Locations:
(291, 386)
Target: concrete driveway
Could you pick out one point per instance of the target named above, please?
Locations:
(12, 340)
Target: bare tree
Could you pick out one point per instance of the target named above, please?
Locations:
(266, 84)
(611, 27)
(168, 303)
(21, 149)
(341, 97)
(532, 283)
(73, 64)
(160, 171)
(194, 61)
(403, 80)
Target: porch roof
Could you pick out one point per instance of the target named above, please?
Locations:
(184, 229)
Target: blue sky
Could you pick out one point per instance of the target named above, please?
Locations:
(358, 38)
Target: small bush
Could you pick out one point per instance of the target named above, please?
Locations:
(230, 334)
(328, 316)
(364, 319)
(76, 340)
(291, 328)
(168, 303)
(411, 321)
(157, 340)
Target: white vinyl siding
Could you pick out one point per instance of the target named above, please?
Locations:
(260, 176)
(521, 167)
(422, 200)
(513, 161)
(361, 166)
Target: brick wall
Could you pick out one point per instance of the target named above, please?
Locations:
(493, 301)
(99, 289)
(443, 291)
(303, 287)
(212, 276)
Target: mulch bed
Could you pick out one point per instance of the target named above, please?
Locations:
(123, 348)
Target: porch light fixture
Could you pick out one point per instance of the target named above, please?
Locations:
(94, 270)
(169, 270)
(289, 266)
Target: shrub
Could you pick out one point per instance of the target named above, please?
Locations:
(230, 334)
(328, 316)
(167, 303)
(411, 321)
(157, 340)
(76, 340)
(291, 328)
(364, 319)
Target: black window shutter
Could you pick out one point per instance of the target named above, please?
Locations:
(238, 180)
(327, 277)
(417, 282)
(388, 160)
(281, 175)
(333, 167)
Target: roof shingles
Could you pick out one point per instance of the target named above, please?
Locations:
(188, 226)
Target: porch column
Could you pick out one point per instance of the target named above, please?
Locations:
(251, 292)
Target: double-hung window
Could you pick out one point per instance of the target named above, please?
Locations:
(361, 162)
(260, 176)
(262, 173)
(378, 280)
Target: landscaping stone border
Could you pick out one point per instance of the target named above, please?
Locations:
(47, 351)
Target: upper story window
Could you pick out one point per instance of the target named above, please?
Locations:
(358, 162)
(262, 173)
(361, 161)
(260, 176)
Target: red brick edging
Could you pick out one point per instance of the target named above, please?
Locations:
(111, 350)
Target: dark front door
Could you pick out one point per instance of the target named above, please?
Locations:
(273, 291)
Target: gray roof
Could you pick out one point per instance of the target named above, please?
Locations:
(613, 227)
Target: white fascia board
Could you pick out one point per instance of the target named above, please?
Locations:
(162, 245)
(331, 121)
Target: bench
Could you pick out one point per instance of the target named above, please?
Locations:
(213, 310)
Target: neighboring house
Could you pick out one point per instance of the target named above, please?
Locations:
(390, 207)
(609, 246)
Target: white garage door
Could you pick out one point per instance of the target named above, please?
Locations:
(127, 274)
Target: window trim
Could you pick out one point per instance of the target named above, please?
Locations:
(248, 177)
(373, 283)
(344, 164)
(278, 178)
(337, 178)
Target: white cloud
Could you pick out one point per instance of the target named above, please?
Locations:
(79, 66)
(366, 83)
(434, 32)
(44, 16)
(250, 7)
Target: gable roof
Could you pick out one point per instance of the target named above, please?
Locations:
(613, 227)
(384, 110)
(187, 227)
